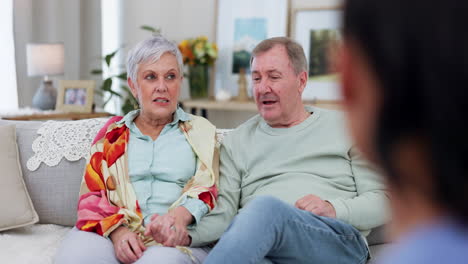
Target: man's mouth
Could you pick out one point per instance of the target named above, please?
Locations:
(268, 102)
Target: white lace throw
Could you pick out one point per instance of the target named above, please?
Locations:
(63, 139)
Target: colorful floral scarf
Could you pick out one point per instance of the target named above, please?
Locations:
(107, 198)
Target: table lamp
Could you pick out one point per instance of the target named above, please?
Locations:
(44, 60)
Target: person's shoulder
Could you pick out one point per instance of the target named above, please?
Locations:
(247, 127)
(200, 121)
(329, 115)
(243, 132)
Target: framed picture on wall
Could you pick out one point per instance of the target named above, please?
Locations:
(75, 96)
(318, 31)
(241, 25)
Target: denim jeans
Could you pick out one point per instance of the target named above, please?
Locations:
(268, 230)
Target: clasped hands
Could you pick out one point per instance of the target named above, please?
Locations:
(316, 205)
(169, 229)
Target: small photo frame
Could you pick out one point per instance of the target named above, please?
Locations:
(318, 30)
(75, 96)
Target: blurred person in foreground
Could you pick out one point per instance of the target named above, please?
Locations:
(404, 71)
(151, 174)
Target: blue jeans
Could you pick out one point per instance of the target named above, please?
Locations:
(268, 230)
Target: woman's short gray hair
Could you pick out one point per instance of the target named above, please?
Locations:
(150, 50)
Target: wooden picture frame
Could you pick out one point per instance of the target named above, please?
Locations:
(316, 29)
(240, 25)
(75, 96)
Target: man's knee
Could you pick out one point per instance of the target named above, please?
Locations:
(267, 205)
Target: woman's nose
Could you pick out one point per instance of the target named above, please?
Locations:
(161, 86)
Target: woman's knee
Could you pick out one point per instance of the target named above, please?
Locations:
(82, 247)
(170, 255)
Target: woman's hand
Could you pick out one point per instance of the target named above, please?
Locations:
(171, 228)
(128, 246)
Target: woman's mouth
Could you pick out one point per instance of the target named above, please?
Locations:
(161, 100)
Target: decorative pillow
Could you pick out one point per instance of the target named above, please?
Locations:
(16, 206)
(53, 190)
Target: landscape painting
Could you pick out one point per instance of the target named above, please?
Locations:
(322, 45)
(248, 32)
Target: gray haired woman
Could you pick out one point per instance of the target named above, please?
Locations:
(151, 174)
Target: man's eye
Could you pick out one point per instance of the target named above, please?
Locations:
(274, 77)
(255, 79)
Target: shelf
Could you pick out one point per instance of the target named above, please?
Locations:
(55, 116)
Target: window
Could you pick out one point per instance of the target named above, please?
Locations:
(9, 98)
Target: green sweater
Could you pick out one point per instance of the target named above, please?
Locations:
(314, 157)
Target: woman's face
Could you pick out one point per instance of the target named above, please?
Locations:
(157, 87)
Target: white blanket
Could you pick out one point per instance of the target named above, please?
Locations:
(32, 244)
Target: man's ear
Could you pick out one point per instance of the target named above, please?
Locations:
(132, 88)
(303, 78)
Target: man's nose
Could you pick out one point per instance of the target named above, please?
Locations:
(263, 86)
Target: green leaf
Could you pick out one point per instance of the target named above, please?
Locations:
(107, 101)
(107, 85)
(150, 29)
(96, 71)
(109, 57)
(122, 76)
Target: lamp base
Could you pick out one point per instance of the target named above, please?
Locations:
(45, 97)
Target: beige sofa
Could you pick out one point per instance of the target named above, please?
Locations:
(54, 193)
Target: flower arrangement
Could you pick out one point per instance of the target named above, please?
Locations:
(198, 51)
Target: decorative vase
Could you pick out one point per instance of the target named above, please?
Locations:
(45, 97)
(198, 80)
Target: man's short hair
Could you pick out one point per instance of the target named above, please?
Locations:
(293, 49)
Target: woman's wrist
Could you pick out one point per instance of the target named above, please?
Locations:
(183, 215)
(117, 232)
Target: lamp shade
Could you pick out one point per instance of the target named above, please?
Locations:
(45, 59)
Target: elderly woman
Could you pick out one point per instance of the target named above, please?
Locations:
(405, 75)
(151, 174)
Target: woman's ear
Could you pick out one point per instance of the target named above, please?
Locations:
(345, 68)
(132, 88)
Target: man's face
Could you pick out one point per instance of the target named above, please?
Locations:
(277, 88)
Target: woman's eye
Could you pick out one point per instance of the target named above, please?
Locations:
(170, 76)
(150, 77)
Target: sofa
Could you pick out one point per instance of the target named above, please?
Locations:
(51, 178)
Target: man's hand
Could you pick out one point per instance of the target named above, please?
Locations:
(128, 246)
(171, 228)
(316, 205)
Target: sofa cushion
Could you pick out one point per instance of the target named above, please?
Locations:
(53, 190)
(13, 189)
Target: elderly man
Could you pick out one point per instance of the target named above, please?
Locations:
(302, 192)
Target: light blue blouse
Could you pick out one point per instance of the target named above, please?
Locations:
(160, 169)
